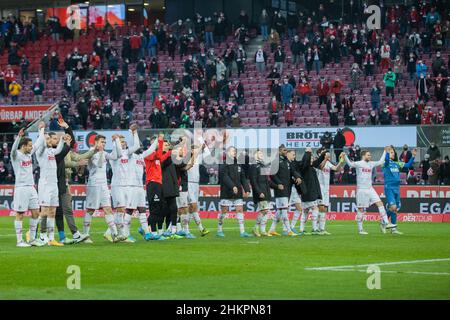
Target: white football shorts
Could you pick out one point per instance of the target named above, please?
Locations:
(48, 194)
(231, 202)
(325, 201)
(193, 192)
(263, 205)
(97, 197)
(120, 196)
(366, 197)
(182, 200)
(136, 198)
(309, 204)
(282, 203)
(295, 197)
(25, 198)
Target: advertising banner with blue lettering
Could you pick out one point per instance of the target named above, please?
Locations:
(365, 137)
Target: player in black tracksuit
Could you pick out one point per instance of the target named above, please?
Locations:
(283, 179)
(232, 182)
(261, 184)
(311, 192)
(169, 194)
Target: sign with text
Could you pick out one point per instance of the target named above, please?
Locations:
(365, 137)
(28, 112)
(415, 200)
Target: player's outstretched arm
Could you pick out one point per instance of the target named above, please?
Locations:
(350, 163)
(15, 145)
(60, 146)
(382, 159)
(136, 142)
(39, 145)
(116, 150)
(151, 149)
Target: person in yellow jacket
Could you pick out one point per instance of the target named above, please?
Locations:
(14, 91)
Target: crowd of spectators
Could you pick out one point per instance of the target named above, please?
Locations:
(209, 89)
(408, 35)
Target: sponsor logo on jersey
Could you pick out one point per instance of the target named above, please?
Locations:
(26, 163)
(51, 157)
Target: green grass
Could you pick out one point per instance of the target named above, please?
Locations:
(232, 268)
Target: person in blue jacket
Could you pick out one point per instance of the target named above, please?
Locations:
(391, 171)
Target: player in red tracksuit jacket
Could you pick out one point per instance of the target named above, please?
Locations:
(153, 182)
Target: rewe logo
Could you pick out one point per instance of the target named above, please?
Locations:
(374, 20)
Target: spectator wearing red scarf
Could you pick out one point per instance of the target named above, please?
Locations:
(336, 88)
(273, 107)
(322, 91)
(427, 115)
(289, 113)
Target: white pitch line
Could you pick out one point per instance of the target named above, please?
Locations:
(390, 271)
(377, 264)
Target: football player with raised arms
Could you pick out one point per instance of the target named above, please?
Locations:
(323, 174)
(48, 180)
(25, 194)
(120, 185)
(97, 191)
(365, 193)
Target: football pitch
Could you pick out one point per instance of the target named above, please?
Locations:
(415, 265)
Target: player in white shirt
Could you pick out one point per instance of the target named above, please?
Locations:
(25, 194)
(323, 174)
(120, 186)
(137, 199)
(48, 181)
(194, 188)
(184, 161)
(97, 192)
(365, 193)
(295, 200)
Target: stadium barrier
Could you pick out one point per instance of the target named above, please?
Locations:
(419, 203)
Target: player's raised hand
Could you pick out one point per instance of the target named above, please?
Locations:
(387, 148)
(161, 136)
(63, 124)
(342, 155)
(67, 139)
(308, 150)
(298, 181)
(21, 132)
(133, 127)
(414, 152)
(41, 125)
(115, 136)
